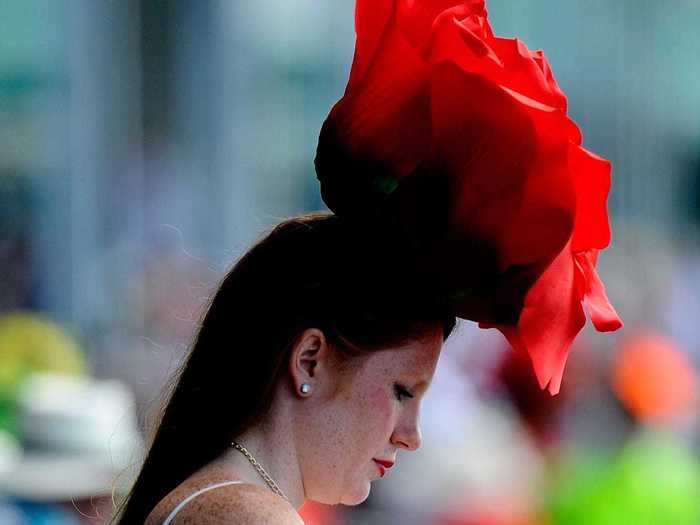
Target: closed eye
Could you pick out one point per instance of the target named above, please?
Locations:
(401, 392)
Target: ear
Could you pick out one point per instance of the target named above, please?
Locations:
(309, 359)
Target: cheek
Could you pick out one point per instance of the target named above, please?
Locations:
(379, 414)
(370, 419)
(381, 404)
(356, 419)
(363, 425)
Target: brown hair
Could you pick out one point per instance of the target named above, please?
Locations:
(315, 270)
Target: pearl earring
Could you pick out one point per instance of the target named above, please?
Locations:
(305, 388)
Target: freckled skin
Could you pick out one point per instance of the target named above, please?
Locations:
(362, 419)
(319, 446)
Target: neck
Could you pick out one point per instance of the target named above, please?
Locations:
(273, 449)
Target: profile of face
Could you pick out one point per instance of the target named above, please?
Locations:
(366, 413)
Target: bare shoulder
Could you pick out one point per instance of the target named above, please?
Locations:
(239, 504)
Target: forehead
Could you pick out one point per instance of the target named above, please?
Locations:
(416, 359)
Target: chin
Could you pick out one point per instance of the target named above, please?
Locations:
(356, 496)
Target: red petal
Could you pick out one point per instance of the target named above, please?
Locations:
(591, 176)
(417, 17)
(469, 43)
(550, 320)
(506, 156)
(462, 42)
(526, 75)
(386, 115)
(372, 19)
(596, 302)
(539, 57)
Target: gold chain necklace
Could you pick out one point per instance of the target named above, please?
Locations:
(270, 482)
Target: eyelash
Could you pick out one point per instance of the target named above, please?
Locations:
(401, 391)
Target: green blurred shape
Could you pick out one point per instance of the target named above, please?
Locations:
(653, 481)
(30, 343)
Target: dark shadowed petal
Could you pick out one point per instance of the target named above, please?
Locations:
(378, 132)
(508, 171)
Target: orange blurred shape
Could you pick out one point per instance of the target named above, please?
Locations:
(653, 378)
(314, 513)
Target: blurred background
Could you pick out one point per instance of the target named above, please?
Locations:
(144, 144)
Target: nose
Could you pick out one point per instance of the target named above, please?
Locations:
(407, 435)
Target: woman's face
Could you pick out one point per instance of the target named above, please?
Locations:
(371, 414)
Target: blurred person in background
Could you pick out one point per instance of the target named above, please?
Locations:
(616, 443)
(653, 476)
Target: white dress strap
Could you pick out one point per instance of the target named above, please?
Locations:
(189, 498)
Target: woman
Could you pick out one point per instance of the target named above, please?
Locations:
(461, 188)
(304, 382)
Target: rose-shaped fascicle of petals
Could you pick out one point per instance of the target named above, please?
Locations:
(461, 140)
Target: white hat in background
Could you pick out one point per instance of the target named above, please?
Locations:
(79, 438)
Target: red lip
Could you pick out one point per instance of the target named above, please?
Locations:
(381, 468)
(383, 465)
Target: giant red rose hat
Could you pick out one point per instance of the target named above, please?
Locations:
(460, 139)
